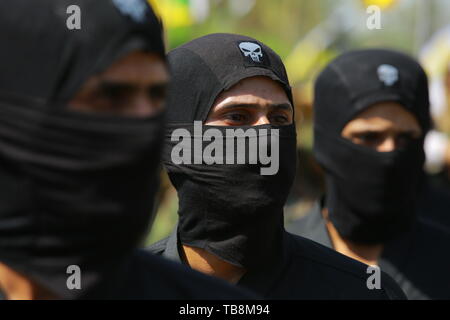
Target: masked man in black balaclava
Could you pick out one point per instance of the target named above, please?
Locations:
(230, 105)
(371, 115)
(81, 130)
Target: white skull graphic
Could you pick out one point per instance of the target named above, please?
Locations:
(135, 9)
(251, 49)
(387, 74)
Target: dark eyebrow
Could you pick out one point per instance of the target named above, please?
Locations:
(372, 131)
(411, 132)
(112, 85)
(117, 85)
(282, 106)
(276, 106)
(158, 85)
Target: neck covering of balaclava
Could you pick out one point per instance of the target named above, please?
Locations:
(230, 210)
(370, 195)
(76, 188)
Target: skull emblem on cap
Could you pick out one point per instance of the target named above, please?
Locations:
(387, 74)
(252, 50)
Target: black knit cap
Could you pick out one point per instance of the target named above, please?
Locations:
(358, 79)
(206, 66)
(370, 195)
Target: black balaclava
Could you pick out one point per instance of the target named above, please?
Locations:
(370, 195)
(230, 210)
(76, 188)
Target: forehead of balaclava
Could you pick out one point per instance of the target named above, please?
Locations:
(204, 67)
(44, 55)
(358, 79)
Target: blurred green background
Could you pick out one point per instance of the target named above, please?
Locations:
(306, 34)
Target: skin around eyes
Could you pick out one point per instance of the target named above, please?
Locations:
(384, 127)
(135, 85)
(242, 115)
(252, 101)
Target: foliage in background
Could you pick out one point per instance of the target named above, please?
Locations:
(306, 34)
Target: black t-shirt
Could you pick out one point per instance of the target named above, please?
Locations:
(417, 260)
(145, 276)
(434, 203)
(308, 270)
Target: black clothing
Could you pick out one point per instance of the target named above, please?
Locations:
(204, 67)
(77, 188)
(371, 196)
(146, 276)
(307, 270)
(434, 203)
(232, 210)
(417, 259)
(45, 61)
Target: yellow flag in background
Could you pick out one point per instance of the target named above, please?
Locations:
(155, 7)
(174, 13)
(382, 4)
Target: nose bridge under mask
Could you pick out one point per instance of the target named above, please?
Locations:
(222, 207)
(368, 190)
(90, 180)
(339, 156)
(219, 146)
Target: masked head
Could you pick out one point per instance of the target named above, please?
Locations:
(234, 167)
(80, 137)
(371, 115)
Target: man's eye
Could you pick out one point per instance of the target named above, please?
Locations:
(279, 119)
(404, 139)
(115, 93)
(157, 92)
(369, 137)
(236, 117)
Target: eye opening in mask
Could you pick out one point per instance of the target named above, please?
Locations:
(383, 126)
(253, 100)
(133, 86)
